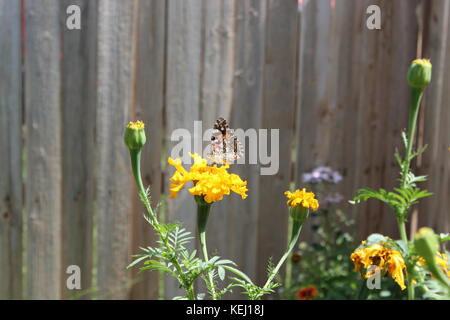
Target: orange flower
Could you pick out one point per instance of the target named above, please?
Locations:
(307, 293)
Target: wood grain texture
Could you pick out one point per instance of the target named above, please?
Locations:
(115, 52)
(354, 98)
(78, 117)
(243, 215)
(396, 57)
(217, 96)
(43, 147)
(11, 224)
(383, 108)
(148, 104)
(336, 90)
(278, 109)
(433, 211)
(312, 105)
(183, 83)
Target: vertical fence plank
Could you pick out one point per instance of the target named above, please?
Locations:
(43, 140)
(433, 211)
(114, 192)
(383, 105)
(353, 103)
(10, 159)
(311, 119)
(242, 230)
(278, 109)
(217, 95)
(183, 83)
(398, 54)
(234, 59)
(78, 116)
(149, 90)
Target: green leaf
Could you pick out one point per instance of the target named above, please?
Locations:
(213, 260)
(135, 262)
(225, 261)
(158, 268)
(376, 238)
(221, 272)
(152, 262)
(238, 273)
(404, 139)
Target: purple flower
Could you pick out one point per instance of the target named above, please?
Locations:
(322, 174)
(333, 199)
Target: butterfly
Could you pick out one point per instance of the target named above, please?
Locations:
(225, 146)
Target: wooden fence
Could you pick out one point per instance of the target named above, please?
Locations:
(334, 88)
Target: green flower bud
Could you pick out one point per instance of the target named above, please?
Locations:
(419, 73)
(426, 244)
(134, 136)
(299, 214)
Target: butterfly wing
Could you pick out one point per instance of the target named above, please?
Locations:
(225, 146)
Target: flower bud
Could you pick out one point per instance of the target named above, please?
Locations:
(134, 136)
(419, 73)
(299, 214)
(426, 244)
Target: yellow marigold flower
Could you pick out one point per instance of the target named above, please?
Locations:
(396, 267)
(386, 259)
(302, 198)
(211, 182)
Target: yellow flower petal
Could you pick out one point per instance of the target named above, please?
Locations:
(211, 182)
(303, 198)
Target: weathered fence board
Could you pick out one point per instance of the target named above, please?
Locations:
(278, 110)
(434, 211)
(217, 95)
(242, 228)
(311, 102)
(336, 90)
(354, 99)
(78, 134)
(149, 99)
(113, 175)
(11, 224)
(183, 83)
(43, 148)
(216, 99)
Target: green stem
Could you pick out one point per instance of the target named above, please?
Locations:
(202, 219)
(296, 228)
(288, 278)
(404, 237)
(135, 156)
(363, 291)
(136, 168)
(416, 98)
(402, 230)
(190, 293)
